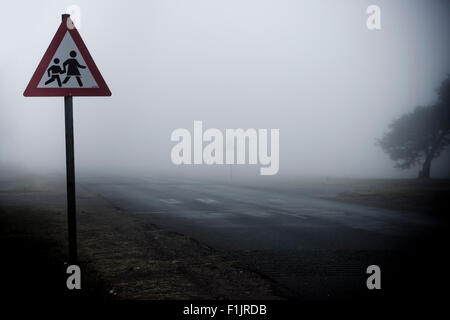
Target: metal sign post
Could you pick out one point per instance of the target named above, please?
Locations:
(70, 176)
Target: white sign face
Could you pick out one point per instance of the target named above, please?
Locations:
(67, 68)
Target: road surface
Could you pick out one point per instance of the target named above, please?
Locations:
(310, 247)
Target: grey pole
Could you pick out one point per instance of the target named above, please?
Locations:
(70, 177)
(70, 171)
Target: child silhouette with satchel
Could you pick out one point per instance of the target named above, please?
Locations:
(54, 72)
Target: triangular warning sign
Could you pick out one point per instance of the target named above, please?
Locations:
(67, 68)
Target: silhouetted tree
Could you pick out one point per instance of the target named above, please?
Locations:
(420, 136)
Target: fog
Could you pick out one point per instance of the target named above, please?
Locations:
(311, 69)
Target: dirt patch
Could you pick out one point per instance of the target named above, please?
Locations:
(121, 256)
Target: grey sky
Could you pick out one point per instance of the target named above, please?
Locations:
(309, 68)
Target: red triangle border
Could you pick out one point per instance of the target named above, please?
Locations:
(32, 89)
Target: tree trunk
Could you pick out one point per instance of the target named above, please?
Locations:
(426, 168)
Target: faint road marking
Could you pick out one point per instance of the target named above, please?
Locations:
(206, 200)
(170, 201)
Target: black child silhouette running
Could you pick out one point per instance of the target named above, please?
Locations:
(72, 69)
(54, 72)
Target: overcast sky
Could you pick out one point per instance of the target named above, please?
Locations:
(309, 68)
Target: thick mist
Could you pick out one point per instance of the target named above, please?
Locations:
(309, 68)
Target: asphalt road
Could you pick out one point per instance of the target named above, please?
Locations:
(310, 247)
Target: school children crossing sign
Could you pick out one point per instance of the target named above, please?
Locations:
(67, 68)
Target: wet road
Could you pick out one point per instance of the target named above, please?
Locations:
(309, 246)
